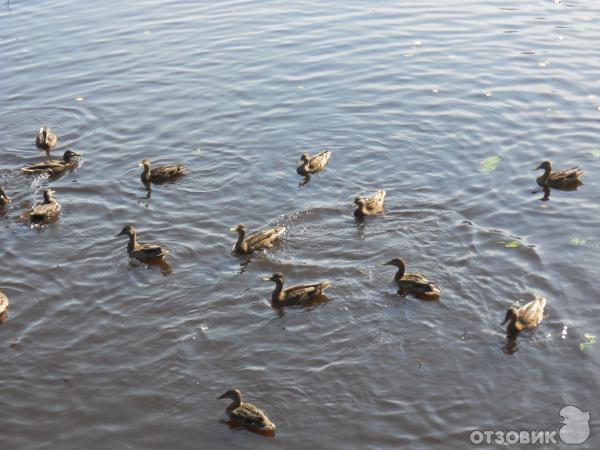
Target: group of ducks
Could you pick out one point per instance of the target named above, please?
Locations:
(242, 413)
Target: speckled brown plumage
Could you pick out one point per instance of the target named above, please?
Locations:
(54, 166)
(4, 199)
(160, 174)
(246, 414)
(295, 295)
(260, 240)
(527, 316)
(312, 164)
(45, 210)
(46, 139)
(368, 206)
(141, 252)
(558, 179)
(413, 283)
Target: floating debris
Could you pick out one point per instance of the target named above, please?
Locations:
(489, 164)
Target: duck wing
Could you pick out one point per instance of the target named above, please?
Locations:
(3, 302)
(304, 292)
(318, 162)
(166, 172)
(375, 202)
(417, 280)
(249, 415)
(568, 174)
(46, 166)
(532, 313)
(149, 251)
(265, 238)
(44, 210)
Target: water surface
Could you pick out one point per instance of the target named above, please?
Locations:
(410, 96)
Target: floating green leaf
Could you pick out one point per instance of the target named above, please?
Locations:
(590, 340)
(595, 153)
(488, 165)
(512, 244)
(577, 241)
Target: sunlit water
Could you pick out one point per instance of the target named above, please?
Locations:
(447, 105)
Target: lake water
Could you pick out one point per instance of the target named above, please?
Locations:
(447, 105)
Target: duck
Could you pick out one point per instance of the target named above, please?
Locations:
(141, 252)
(565, 179)
(312, 164)
(413, 283)
(369, 206)
(54, 166)
(160, 174)
(258, 241)
(4, 303)
(46, 138)
(47, 209)
(295, 295)
(4, 199)
(527, 316)
(246, 414)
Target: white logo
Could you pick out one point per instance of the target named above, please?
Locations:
(576, 427)
(575, 430)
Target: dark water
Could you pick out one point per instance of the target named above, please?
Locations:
(99, 353)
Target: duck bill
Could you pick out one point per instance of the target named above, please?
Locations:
(389, 263)
(77, 154)
(233, 230)
(506, 319)
(221, 396)
(537, 168)
(266, 278)
(120, 234)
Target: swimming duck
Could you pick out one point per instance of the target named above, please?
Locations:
(54, 166)
(46, 138)
(246, 414)
(312, 164)
(141, 252)
(368, 206)
(295, 295)
(565, 179)
(261, 240)
(527, 316)
(3, 303)
(413, 283)
(160, 173)
(47, 209)
(4, 199)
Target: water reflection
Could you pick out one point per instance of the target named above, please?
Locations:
(237, 427)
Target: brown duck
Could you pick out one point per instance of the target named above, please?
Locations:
(295, 295)
(47, 209)
(527, 316)
(565, 179)
(160, 174)
(312, 164)
(46, 138)
(54, 166)
(141, 252)
(368, 206)
(413, 283)
(258, 241)
(246, 414)
(4, 199)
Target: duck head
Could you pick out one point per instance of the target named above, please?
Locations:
(238, 229)
(145, 164)
(277, 277)
(359, 201)
(544, 165)
(70, 154)
(232, 394)
(396, 262)
(304, 157)
(128, 230)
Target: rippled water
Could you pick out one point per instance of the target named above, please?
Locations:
(101, 353)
